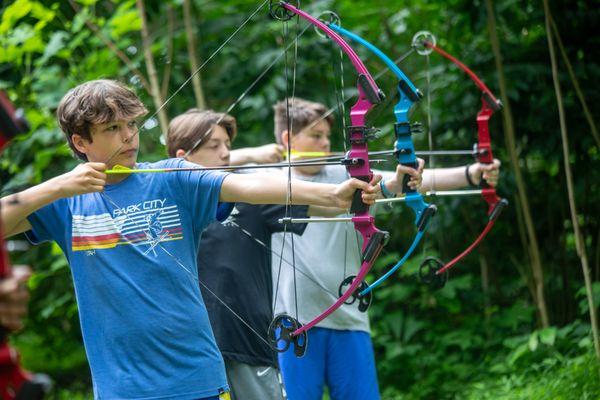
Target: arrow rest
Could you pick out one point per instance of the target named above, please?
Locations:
(279, 12)
(428, 273)
(364, 301)
(280, 334)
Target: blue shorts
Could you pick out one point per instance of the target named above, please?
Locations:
(341, 360)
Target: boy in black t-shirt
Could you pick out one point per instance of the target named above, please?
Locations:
(235, 275)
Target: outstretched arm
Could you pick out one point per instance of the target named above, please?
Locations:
(273, 189)
(269, 153)
(85, 178)
(456, 178)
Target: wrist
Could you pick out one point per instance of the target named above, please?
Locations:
(387, 193)
(473, 174)
(54, 189)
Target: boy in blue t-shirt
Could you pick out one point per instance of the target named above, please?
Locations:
(132, 242)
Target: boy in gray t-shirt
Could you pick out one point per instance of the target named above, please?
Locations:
(340, 352)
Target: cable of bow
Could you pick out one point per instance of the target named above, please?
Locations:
(404, 149)
(284, 329)
(432, 268)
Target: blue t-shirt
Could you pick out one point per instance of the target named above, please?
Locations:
(132, 251)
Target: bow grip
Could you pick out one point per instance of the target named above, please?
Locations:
(406, 177)
(357, 205)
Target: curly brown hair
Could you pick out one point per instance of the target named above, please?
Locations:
(96, 102)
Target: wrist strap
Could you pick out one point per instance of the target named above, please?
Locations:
(468, 176)
(384, 190)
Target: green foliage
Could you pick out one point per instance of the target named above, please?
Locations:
(459, 342)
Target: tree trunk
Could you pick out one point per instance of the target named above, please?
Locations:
(192, 54)
(509, 131)
(579, 240)
(157, 99)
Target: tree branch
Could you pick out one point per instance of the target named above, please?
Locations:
(113, 47)
(586, 110)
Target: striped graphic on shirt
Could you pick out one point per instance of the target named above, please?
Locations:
(147, 227)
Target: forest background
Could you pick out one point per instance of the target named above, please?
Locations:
(514, 319)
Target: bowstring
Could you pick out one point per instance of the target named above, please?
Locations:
(430, 142)
(341, 106)
(288, 200)
(291, 130)
(306, 274)
(196, 72)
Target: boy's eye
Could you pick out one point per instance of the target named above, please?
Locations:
(132, 124)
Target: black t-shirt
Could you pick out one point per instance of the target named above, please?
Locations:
(238, 270)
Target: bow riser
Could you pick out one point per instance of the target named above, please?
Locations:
(485, 155)
(484, 144)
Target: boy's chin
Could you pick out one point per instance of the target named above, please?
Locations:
(128, 163)
(312, 170)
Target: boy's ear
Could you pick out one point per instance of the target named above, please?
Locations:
(180, 153)
(285, 138)
(79, 143)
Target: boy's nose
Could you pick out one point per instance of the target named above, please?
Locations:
(128, 134)
(225, 152)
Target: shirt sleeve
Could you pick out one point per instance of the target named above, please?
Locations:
(272, 214)
(51, 222)
(223, 211)
(200, 191)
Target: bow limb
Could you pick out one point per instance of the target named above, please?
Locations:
(371, 249)
(484, 154)
(404, 148)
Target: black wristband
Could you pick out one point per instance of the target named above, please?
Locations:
(468, 176)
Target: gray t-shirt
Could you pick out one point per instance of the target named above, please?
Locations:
(324, 255)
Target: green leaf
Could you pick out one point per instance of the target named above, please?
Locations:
(548, 336)
(533, 341)
(56, 44)
(518, 353)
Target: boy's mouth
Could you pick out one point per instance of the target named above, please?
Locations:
(129, 152)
